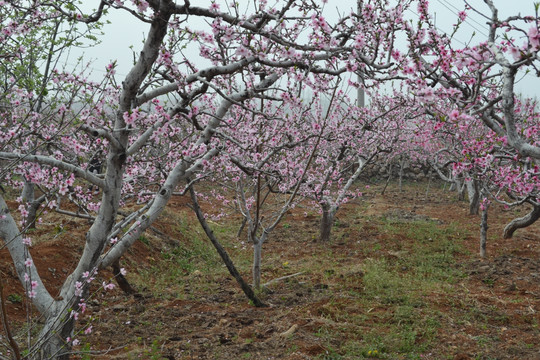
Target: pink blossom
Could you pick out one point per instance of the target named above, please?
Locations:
(214, 7)
(78, 288)
(515, 52)
(110, 68)
(534, 37)
(28, 262)
(109, 286)
(242, 51)
(82, 306)
(142, 5)
(454, 115)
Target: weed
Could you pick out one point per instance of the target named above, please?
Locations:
(15, 298)
(144, 240)
(330, 354)
(85, 352)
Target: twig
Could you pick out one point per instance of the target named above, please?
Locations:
(282, 278)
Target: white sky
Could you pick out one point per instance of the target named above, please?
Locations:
(125, 30)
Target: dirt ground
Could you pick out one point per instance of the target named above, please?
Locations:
(206, 316)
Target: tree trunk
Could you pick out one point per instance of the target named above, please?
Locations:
(521, 222)
(123, 283)
(460, 190)
(33, 208)
(429, 183)
(483, 231)
(327, 221)
(53, 336)
(257, 251)
(387, 180)
(474, 197)
(401, 165)
(32, 204)
(242, 226)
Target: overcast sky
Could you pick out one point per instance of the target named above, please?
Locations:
(125, 30)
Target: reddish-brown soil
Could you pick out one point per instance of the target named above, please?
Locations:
(217, 322)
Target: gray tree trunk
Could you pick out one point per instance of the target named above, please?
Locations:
(474, 197)
(33, 204)
(56, 331)
(327, 221)
(401, 171)
(522, 222)
(388, 179)
(460, 188)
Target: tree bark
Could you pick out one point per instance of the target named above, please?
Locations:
(387, 180)
(429, 183)
(33, 204)
(121, 279)
(483, 231)
(474, 197)
(257, 255)
(401, 170)
(327, 221)
(522, 222)
(460, 188)
(33, 208)
(54, 335)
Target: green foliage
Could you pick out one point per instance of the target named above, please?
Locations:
(144, 240)
(154, 353)
(85, 352)
(15, 298)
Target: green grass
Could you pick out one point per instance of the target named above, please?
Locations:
(193, 256)
(393, 319)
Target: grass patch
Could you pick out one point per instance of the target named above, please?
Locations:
(192, 257)
(393, 320)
